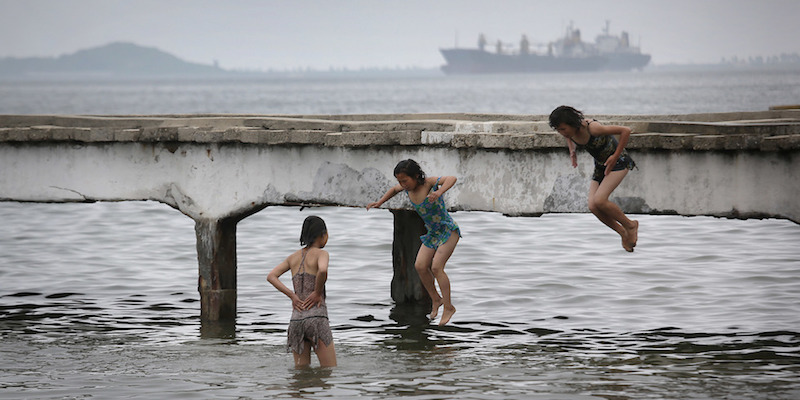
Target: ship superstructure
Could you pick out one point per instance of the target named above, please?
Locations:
(567, 54)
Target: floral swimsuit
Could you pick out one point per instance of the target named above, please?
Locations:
(438, 222)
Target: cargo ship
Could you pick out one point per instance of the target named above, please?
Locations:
(568, 54)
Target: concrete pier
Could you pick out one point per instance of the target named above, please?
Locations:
(406, 286)
(216, 256)
(219, 169)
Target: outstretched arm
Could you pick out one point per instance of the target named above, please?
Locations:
(624, 135)
(274, 279)
(388, 195)
(315, 298)
(572, 156)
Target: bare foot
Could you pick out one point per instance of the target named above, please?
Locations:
(626, 244)
(447, 314)
(435, 308)
(633, 234)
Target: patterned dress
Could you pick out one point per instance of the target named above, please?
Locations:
(437, 220)
(308, 325)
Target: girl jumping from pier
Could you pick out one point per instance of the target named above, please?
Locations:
(425, 194)
(611, 165)
(309, 327)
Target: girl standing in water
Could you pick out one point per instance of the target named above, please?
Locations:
(439, 243)
(611, 165)
(309, 327)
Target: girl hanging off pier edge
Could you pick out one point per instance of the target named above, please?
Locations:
(425, 194)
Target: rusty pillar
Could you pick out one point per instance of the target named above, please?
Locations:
(216, 256)
(406, 286)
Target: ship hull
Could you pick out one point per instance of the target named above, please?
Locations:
(475, 61)
(626, 61)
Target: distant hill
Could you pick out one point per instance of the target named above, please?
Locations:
(117, 59)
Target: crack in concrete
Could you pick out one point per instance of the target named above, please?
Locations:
(71, 190)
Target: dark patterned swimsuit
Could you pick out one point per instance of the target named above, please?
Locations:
(309, 325)
(602, 147)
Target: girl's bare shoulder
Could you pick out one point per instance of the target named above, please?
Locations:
(294, 260)
(598, 128)
(314, 258)
(296, 254)
(316, 253)
(593, 122)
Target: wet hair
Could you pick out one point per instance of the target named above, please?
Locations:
(566, 115)
(412, 169)
(313, 227)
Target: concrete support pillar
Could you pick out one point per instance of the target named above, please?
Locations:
(216, 256)
(406, 286)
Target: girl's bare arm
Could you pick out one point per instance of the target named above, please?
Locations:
(388, 195)
(572, 156)
(274, 279)
(445, 183)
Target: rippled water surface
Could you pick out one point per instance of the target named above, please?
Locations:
(100, 300)
(647, 92)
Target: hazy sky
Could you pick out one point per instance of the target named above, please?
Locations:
(285, 34)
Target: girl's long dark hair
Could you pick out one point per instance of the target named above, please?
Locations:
(566, 115)
(412, 169)
(313, 227)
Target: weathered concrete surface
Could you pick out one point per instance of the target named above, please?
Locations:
(218, 169)
(224, 166)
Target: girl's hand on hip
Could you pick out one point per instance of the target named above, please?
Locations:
(610, 163)
(297, 304)
(314, 299)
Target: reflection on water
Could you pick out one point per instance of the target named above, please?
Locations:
(217, 329)
(306, 379)
(412, 330)
(95, 302)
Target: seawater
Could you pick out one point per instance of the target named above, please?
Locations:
(647, 92)
(100, 300)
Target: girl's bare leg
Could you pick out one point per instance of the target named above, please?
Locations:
(326, 354)
(609, 213)
(304, 359)
(607, 219)
(443, 254)
(423, 267)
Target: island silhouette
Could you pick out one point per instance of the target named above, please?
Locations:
(117, 59)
